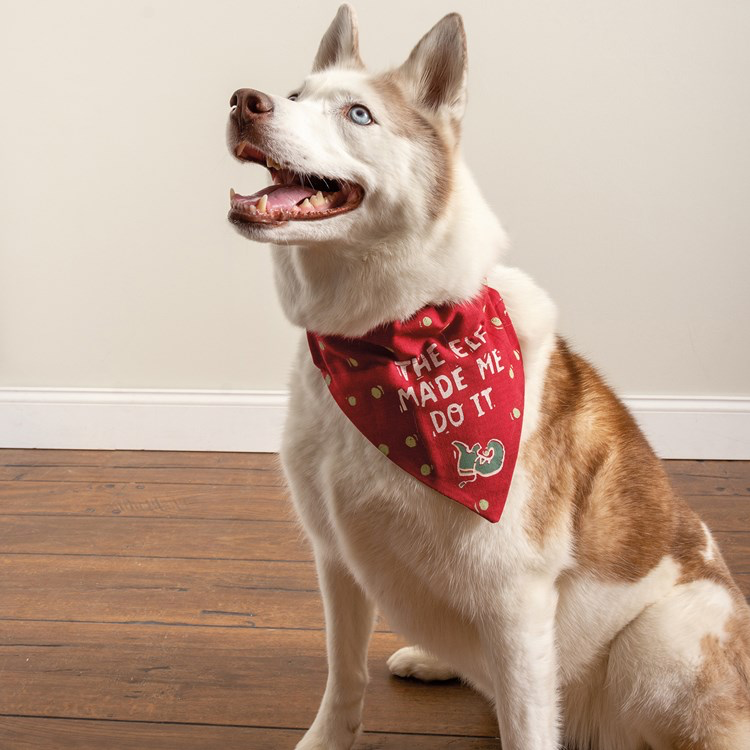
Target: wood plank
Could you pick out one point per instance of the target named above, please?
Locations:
(735, 547)
(131, 499)
(74, 734)
(258, 477)
(188, 538)
(689, 477)
(708, 468)
(709, 477)
(157, 591)
(247, 503)
(726, 513)
(164, 459)
(267, 678)
(192, 459)
(743, 581)
(148, 591)
(231, 575)
(154, 537)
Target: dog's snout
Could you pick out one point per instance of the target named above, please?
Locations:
(250, 104)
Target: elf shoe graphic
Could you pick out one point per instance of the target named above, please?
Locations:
(477, 461)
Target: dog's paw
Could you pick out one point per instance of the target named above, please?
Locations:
(316, 739)
(411, 661)
(316, 743)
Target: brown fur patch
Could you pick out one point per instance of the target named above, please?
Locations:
(721, 697)
(594, 470)
(594, 473)
(410, 123)
(723, 677)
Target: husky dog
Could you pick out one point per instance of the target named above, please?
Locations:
(598, 612)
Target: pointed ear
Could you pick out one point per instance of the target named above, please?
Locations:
(340, 44)
(437, 68)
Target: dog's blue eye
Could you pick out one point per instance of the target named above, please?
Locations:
(359, 114)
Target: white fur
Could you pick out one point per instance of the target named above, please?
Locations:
(412, 661)
(479, 600)
(710, 552)
(603, 610)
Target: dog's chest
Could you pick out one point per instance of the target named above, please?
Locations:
(388, 526)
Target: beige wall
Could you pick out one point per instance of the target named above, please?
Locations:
(611, 136)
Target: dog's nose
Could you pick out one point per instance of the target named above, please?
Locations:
(250, 104)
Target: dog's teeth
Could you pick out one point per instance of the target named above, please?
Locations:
(262, 204)
(306, 206)
(318, 199)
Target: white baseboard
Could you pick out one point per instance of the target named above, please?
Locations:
(174, 420)
(698, 428)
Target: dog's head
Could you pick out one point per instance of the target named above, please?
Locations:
(353, 155)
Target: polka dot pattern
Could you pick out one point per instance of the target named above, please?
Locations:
(415, 389)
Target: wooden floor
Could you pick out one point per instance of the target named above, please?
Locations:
(154, 601)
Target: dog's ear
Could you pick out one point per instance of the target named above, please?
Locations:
(340, 44)
(437, 68)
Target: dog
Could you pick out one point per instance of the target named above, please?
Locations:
(598, 610)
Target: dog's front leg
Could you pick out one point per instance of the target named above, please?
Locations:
(349, 623)
(519, 643)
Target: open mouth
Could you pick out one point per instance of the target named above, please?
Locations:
(293, 196)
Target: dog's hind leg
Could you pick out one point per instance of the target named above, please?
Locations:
(681, 669)
(350, 618)
(412, 661)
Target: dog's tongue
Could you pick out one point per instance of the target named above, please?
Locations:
(281, 196)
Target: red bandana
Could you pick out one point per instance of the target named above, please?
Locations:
(440, 394)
